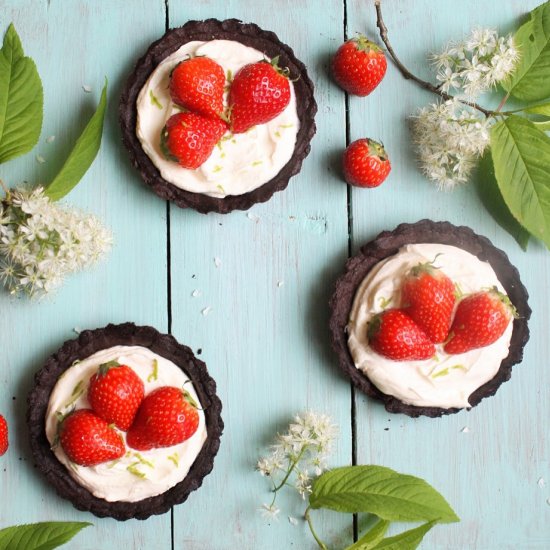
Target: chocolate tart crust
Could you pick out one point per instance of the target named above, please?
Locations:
(248, 34)
(387, 244)
(89, 342)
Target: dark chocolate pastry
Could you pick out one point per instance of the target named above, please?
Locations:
(211, 29)
(387, 244)
(88, 343)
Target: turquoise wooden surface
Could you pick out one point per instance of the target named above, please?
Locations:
(266, 344)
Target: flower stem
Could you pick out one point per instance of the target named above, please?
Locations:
(321, 544)
(410, 76)
(290, 470)
(504, 100)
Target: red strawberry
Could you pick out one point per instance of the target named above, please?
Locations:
(259, 92)
(166, 417)
(366, 163)
(89, 440)
(198, 85)
(396, 336)
(428, 297)
(189, 139)
(359, 65)
(115, 393)
(480, 320)
(3, 435)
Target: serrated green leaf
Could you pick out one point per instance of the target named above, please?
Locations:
(530, 80)
(21, 99)
(39, 536)
(82, 155)
(491, 197)
(409, 540)
(381, 491)
(521, 159)
(372, 537)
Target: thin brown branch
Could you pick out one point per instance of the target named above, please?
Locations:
(410, 76)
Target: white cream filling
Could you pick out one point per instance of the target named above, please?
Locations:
(121, 480)
(241, 162)
(445, 381)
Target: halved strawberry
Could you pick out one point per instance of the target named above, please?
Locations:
(396, 336)
(115, 394)
(428, 298)
(189, 138)
(198, 85)
(167, 416)
(259, 92)
(3, 435)
(480, 320)
(88, 440)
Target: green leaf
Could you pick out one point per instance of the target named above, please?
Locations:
(530, 80)
(542, 109)
(380, 491)
(372, 537)
(521, 158)
(21, 99)
(491, 197)
(82, 155)
(39, 536)
(543, 125)
(409, 540)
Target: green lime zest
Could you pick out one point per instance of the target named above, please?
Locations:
(154, 100)
(155, 373)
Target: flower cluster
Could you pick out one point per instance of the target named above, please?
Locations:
(302, 452)
(476, 64)
(41, 242)
(449, 137)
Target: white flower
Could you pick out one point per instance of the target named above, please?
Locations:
(303, 483)
(449, 138)
(476, 64)
(41, 242)
(269, 511)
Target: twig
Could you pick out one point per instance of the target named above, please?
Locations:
(410, 76)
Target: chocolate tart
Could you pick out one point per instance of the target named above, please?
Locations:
(250, 35)
(387, 244)
(88, 343)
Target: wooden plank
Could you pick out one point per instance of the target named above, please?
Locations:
(490, 474)
(266, 345)
(76, 44)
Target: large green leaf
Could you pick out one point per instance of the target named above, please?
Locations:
(409, 540)
(372, 537)
(39, 536)
(521, 158)
(380, 491)
(530, 80)
(21, 99)
(491, 197)
(82, 155)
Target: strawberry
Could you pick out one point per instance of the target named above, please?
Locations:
(366, 163)
(480, 320)
(396, 336)
(428, 298)
(259, 92)
(358, 66)
(189, 138)
(88, 440)
(166, 417)
(197, 84)
(115, 393)
(3, 435)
